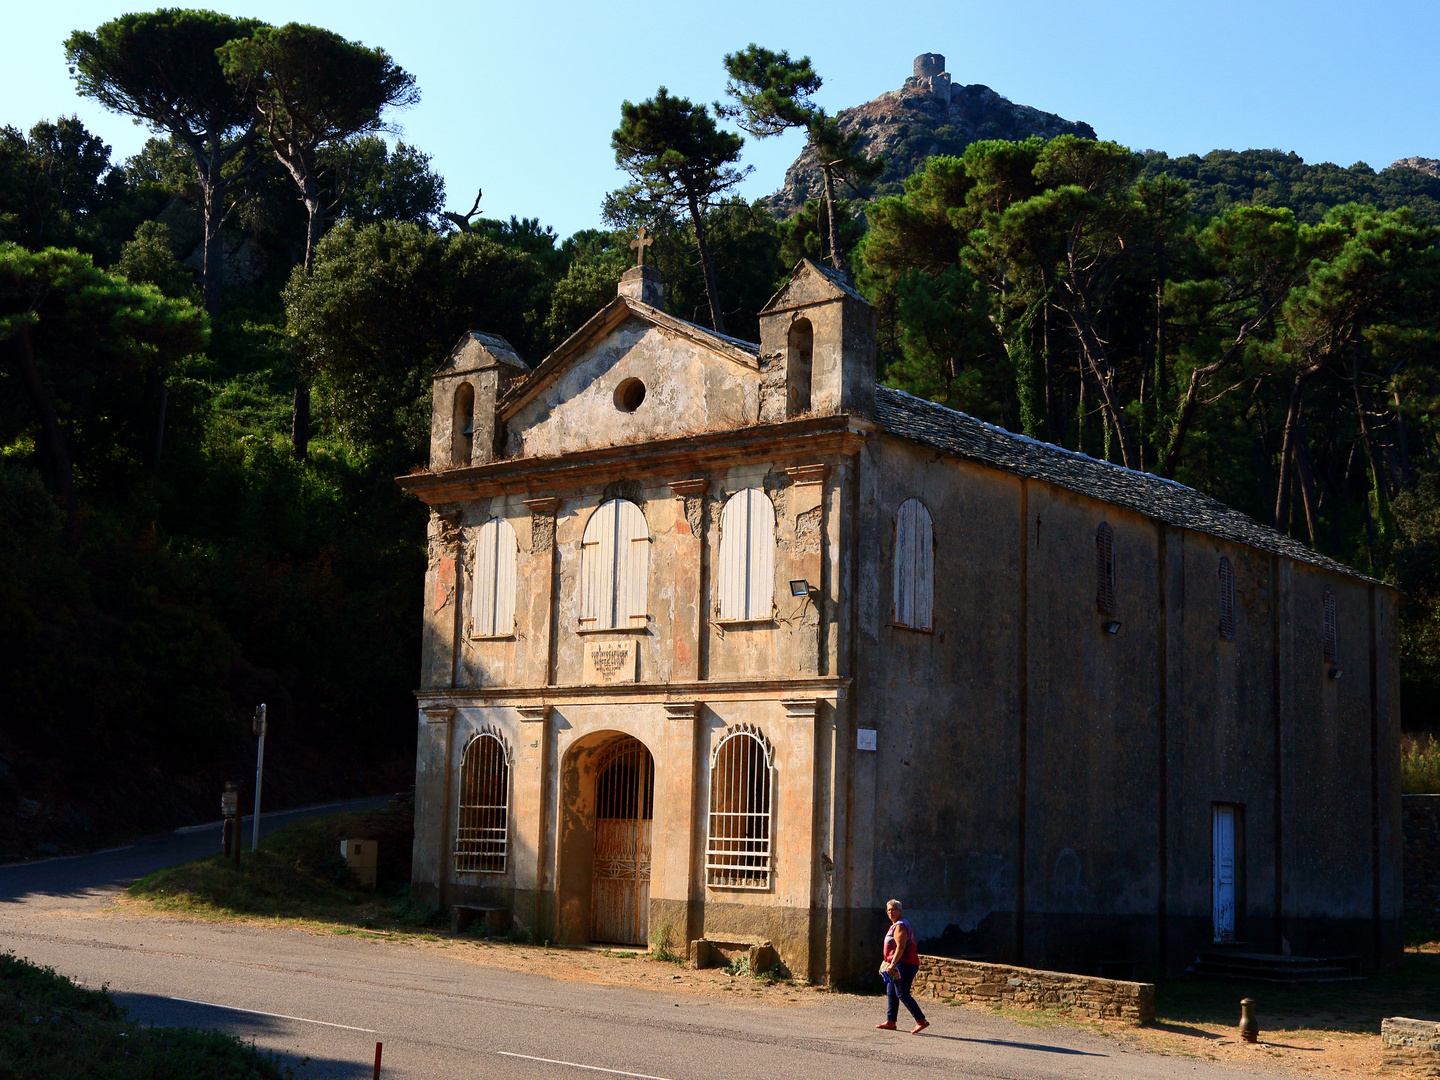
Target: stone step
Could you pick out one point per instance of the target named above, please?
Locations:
(1275, 968)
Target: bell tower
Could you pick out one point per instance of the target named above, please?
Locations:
(817, 347)
(466, 388)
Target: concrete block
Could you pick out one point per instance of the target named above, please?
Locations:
(362, 857)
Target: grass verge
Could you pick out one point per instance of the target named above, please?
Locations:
(299, 874)
(49, 1028)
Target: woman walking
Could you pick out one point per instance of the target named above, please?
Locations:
(902, 961)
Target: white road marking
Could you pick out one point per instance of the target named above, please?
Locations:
(577, 1065)
(281, 1016)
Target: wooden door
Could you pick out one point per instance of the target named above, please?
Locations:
(1223, 872)
(624, 817)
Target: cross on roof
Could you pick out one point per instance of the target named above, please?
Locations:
(640, 243)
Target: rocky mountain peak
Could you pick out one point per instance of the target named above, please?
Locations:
(929, 114)
(1429, 166)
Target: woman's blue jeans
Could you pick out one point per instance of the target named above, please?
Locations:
(897, 989)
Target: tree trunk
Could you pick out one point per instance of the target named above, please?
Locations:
(1287, 443)
(837, 259)
(300, 405)
(1186, 412)
(1379, 482)
(1306, 477)
(212, 198)
(712, 294)
(54, 455)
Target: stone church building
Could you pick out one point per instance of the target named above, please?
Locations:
(724, 641)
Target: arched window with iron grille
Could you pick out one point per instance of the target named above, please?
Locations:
(1227, 599)
(737, 851)
(484, 805)
(1332, 643)
(1105, 569)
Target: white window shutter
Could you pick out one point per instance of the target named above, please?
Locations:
(914, 566)
(493, 607)
(747, 556)
(734, 535)
(597, 567)
(632, 551)
(760, 569)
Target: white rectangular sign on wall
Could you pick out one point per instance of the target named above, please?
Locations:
(865, 738)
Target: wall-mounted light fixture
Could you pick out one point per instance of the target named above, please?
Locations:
(799, 587)
(1111, 626)
(1336, 671)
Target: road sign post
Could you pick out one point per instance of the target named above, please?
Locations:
(260, 726)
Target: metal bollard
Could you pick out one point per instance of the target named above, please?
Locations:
(1249, 1027)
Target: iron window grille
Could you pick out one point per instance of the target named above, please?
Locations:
(484, 811)
(1105, 569)
(1227, 599)
(737, 849)
(1332, 644)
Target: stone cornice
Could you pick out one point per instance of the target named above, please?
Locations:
(803, 438)
(673, 696)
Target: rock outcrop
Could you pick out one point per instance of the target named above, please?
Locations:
(928, 115)
(1429, 166)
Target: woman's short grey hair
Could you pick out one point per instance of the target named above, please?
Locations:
(895, 904)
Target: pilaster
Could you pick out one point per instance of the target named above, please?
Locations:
(674, 845)
(527, 785)
(689, 579)
(540, 596)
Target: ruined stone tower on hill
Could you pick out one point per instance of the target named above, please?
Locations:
(930, 114)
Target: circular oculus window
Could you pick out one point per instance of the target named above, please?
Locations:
(629, 394)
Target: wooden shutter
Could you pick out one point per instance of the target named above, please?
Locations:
(1332, 644)
(1227, 599)
(632, 569)
(1105, 569)
(493, 607)
(597, 566)
(747, 556)
(914, 566)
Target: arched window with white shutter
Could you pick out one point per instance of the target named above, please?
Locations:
(914, 567)
(492, 609)
(615, 567)
(747, 556)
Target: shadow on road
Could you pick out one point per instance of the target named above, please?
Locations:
(1016, 1045)
(357, 1062)
(79, 876)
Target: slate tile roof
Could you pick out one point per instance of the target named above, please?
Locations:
(1153, 496)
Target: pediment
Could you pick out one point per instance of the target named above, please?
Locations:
(584, 395)
(811, 283)
(478, 352)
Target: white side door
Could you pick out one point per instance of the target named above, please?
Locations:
(1223, 872)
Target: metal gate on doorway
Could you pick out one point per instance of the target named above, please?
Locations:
(624, 816)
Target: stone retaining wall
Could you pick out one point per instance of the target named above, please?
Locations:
(1422, 860)
(1411, 1042)
(1027, 988)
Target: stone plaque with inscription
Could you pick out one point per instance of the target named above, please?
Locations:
(611, 661)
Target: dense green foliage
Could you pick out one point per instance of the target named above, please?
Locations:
(50, 1027)
(1225, 178)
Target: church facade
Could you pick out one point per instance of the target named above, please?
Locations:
(723, 641)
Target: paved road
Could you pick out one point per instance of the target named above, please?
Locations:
(329, 998)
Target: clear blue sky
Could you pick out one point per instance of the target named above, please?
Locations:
(520, 98)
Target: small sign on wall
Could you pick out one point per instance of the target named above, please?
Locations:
(611, 661)
(865, 738)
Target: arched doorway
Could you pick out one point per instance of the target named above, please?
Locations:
(624, 816)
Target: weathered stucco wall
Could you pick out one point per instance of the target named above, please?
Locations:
(1020, 723)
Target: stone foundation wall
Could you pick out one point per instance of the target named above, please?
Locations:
(1422, 860)
(999, 985)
